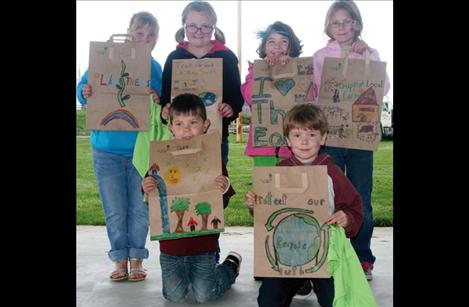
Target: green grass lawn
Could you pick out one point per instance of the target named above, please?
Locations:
(89, 210)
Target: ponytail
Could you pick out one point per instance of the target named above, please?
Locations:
(219, 35)
(180, 35)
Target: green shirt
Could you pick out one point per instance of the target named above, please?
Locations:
(157, 132)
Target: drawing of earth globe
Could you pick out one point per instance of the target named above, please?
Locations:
(297, 239)
(208, 98)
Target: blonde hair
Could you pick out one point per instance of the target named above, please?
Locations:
(199, 6)
(352, 9)
(141, 19)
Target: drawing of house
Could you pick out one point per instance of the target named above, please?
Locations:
(366, 109)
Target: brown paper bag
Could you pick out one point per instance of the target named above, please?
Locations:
(291, 237)
(119, 75)
(204, 78)
(351, 95)
(187, 202)
(275, 90)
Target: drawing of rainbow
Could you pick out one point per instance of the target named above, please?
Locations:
(121, 114)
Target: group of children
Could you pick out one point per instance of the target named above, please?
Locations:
(121, 158)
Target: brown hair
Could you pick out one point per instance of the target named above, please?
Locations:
(200, 6)
(294, 44)
(306, 116)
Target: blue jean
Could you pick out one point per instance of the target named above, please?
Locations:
(125, 213)
(278, 292)
(224, 158)
(358, 166)
(224, 149)
(208, 280)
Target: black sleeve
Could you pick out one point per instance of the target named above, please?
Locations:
(232, 85)
(166, 84)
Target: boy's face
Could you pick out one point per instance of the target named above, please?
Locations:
(186, 126)
(145, 34)
(305, 143)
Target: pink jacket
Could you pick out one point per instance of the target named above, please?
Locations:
(246, 91)
(332, 50)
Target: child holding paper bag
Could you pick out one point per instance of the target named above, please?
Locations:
(344, 26)
(199, 24)
(278, 44)
(305, 128)
(118, 180)
(192, 260)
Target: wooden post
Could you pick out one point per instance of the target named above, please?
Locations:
(239, 128)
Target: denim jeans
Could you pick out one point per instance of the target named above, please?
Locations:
(358, 167)
(208, 280)
(224, 158)
(224, 150)
(278, 292)
(125, 213)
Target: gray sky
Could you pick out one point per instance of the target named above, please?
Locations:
(97, 20)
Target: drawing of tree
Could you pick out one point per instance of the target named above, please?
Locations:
(180, 205)
(204, 209)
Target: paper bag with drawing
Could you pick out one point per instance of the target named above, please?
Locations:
(119, 75)
(275, 90)
(291, 237)
(204, 78)
(351, 96)
(187, 201)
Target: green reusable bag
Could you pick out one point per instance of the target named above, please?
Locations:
(351, 289)
(157, 132)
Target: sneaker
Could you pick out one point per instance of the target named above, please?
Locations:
(258, 278)
(367, 268)
(234, 261)
(305, 289)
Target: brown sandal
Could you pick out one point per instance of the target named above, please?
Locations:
(119, 273)
(137, 273)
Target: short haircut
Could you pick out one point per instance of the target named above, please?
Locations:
(187, 104)
(305, 116)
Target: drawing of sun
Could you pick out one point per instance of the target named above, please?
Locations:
(173, 175)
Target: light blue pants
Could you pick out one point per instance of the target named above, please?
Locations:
(125, 213)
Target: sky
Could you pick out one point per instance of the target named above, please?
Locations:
(98, 20)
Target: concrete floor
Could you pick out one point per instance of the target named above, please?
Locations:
(95, 289)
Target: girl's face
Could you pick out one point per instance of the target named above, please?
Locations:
(145, 34)
(276, 45)
(305, 143)
(186, 126)
(198, 29)
(342, 27)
